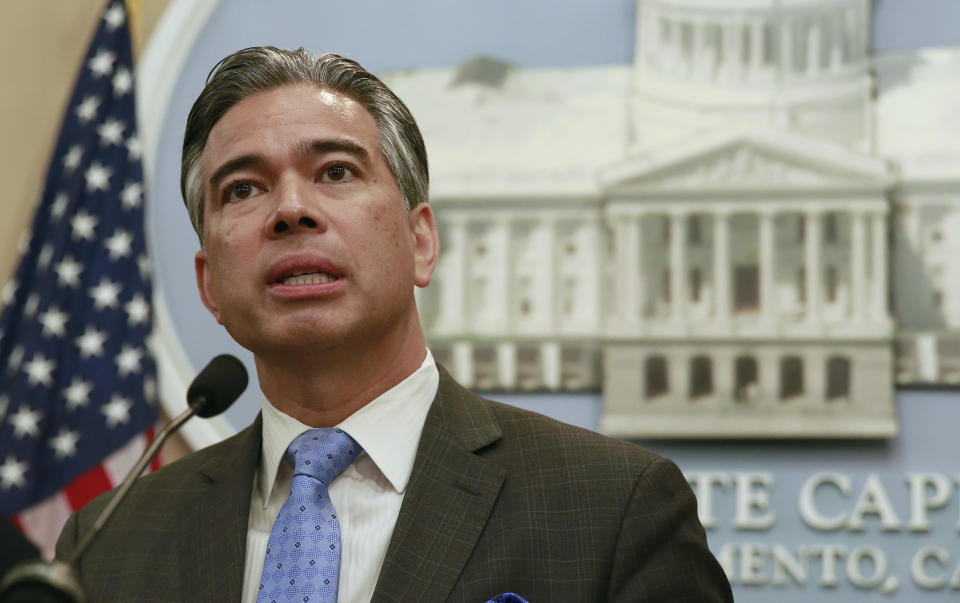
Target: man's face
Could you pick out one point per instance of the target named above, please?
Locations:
(307, 239)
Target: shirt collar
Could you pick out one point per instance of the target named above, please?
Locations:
(388, 428)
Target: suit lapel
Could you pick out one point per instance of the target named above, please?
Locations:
(447, 502)
(213, 535)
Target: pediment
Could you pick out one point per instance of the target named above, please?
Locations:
(745, 161)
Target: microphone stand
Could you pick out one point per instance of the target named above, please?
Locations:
(57, 581)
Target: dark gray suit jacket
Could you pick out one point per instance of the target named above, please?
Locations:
(500, 500)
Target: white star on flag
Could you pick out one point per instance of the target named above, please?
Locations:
(68, 272)
(102, 63)
(134, 150)
(83, 225)
(46, 254)
(145, 265)
(98, 177)
(54, 321)
(39, 370)
(117, 411)
(91, 343)
(16, 357)
(105, 294)
(128, 361)
(78, 394)
(72, 159)
(65, 443)
(12, 473)
(114, 17)
(25, 422)
(122, 81)
(9, 291)
(119, 244)
(131, 195)
(138, 310)
(111, 132)
(30, 308)
(59, 205)
(87, 109)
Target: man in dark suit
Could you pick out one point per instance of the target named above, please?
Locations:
(306, 180)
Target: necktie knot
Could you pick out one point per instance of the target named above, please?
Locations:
(322, 453)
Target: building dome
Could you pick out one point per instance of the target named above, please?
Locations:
(790, 60)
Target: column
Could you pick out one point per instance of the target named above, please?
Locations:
(836, 41)
(768, 305)
(813, 47)
(721, 266)
(455, 281)
(507, 365)
(550, 295)
(813, 269)
(732, 40)
(756, 48)
(463, 363)
(698, 57)
(550, 357)
(501, 277)
(678, 265)
(858, 265)
(880, 290)
(786, 48)
(628, 268)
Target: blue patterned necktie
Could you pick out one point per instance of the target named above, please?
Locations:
(303, 554)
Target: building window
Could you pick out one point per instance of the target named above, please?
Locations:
(529, 368)
(746, 384)
(838, 378)
(701, 377)
(830, 227)
(695, 284)
(484, 367)
(802, 285)
(801, 228)
(666, 285)
(666, 230)
(694, 235)
(831, 284)
(791, 377)
(655, 374)
(937, 299)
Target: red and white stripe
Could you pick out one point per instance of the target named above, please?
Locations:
(43, 521)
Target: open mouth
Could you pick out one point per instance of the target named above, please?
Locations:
(307, 278)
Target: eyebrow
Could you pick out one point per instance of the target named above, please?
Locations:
(304, 148)
(345, 145)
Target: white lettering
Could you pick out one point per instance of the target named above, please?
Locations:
(874, 501)
(703, 484)
(920, 502)
(784, 563)
(876, 558)
(808, 506)
(752, 561)
(726, 557)
(829, 554)
(753, 494)
(919, 572)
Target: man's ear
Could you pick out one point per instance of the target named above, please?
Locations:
(426, 243)
(204, 285)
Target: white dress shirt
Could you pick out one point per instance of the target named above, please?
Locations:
(367, 495)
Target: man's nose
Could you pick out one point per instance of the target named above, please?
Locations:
(297, 209)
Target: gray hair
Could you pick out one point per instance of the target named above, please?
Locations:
(261, 68)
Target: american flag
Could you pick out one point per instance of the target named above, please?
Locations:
(77, 380)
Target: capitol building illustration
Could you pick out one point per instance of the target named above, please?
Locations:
(751, 231)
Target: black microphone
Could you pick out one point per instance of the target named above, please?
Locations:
(217, 386)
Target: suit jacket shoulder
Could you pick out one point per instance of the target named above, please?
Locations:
(505, 500)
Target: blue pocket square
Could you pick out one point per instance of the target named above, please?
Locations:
(508, 598)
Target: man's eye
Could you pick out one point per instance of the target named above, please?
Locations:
(337, 173)
(243, 190)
